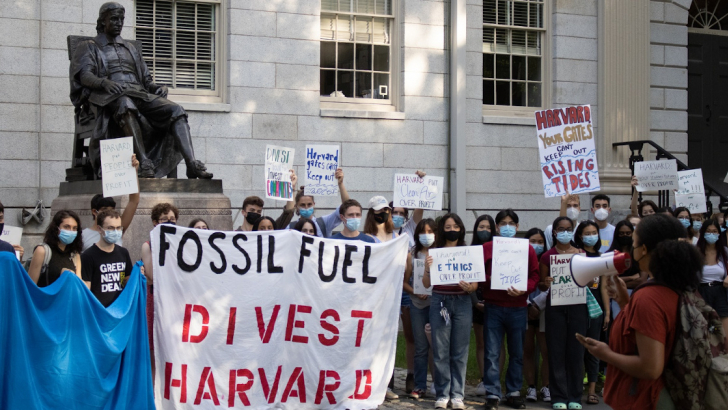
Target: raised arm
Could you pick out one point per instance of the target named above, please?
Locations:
(633, 206)
(342, 189)
(131, 207)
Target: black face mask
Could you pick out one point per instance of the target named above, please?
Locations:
(624, 241)
(252, 217)
(452, 236)
(381, 217)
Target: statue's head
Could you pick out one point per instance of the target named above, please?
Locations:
(111, 19)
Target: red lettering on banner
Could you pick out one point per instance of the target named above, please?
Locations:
(329, 327)
(181, 382)
(362, 314)
(186, 324)
(363, 374)
(231, 325)
(266, 331)
(270, 391)
(292, 322)
(207, 378)
(327, 389)
(239, 388)
(296, 377)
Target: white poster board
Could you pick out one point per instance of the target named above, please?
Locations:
(451, 265)
(656, 175)
(322, 161)
(418, 273)
(564, 291)
(510, 263)
(118, 176)
(411, 191)
(695, 203)
(690, 181)
(278, 164)
(11, 234)
(567, 154)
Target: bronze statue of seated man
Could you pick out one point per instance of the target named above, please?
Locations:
(110, 74)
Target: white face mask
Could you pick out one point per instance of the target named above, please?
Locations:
(601, 214)
(572, 213)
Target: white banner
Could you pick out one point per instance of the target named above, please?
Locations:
(451, 265)
(322, 161)
(411, 191)
(510, 263)
(118, 176)
(690, 182)
(273, 320)
(563, 290)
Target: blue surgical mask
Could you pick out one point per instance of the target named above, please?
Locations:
(398, 221)
(564, 237)
(538, 248)
(353, 224)
(697, 225)
(590, 240)
(484, 235)
(112, 237)
(685, 222)
(711, 238)
(305, 212)
(508, 231)
(67, 237)
(722, 228)
(427, 239)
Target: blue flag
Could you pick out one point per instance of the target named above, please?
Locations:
(61, 349)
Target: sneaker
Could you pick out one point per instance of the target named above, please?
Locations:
(491, 403)
(391, 395)
(546, 394)
(515, 401)
(409, 385)
(531, 394)
(432, 391)
(441, 403)
(457, 404)
(417, 394)
(480, 390)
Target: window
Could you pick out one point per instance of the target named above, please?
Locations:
(181, 44)
(356, 52)
(513, 53)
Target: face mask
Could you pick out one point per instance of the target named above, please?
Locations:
(601, 214)
(352, 224)
(624, 241)
(112, 237)
(305, 212)
(452, 236)
(711, 238)
(381, 217)
(398, 221)
(252, 217)
(67, 237)
(685, 222)
(722, 228)
(508, 231)
(631, 255)
(564, 237)
(572, 213)
(590, 240)
(484, 235)
(538, 248)
(427, 239)
(697, 225)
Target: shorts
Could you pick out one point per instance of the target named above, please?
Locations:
(715, 296)
(406, 301)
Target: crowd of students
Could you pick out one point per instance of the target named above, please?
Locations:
(673, 248)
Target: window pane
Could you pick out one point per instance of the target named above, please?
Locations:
(503, 66)
(206, 17)
(364, 29)
(519, 94)
(535, 15)
(162, 44)
(518, 42)
(328, 82)
(534, 94)
(520, 14)
(144, 15)
(185, 75)
(328, 54)
(384, 7)
(364, 85)
(344, 29)
(488, 60)
(503, 11)
(163, 72)
(381, 29)
(381, 86)
(365, 6)
(381, 58)
(206, 46)
(346, 83)
(518, 68)
(346, 5)
(489, 92)
(502, 93)
(534, 68)
(186, 16)
(162, 14)
(328, 26)
(363, 57)
(534, 43)
(330, 5)
(489, 11)
(185, 46)
(346, 56)
(501, 40)
(205, 76)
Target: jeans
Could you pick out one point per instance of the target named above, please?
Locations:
(450, 343)
(419, 318)
(498, 321)
(566, 364)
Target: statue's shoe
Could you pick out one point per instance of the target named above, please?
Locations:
(196, 169)
(146, 169)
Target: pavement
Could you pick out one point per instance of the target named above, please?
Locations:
(471, 400)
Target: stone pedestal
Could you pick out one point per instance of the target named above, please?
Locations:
(195, 198)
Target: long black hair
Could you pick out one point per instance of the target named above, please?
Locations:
(556, 222)
(54, 228)
(440, 233)
(579, 242)
(719, 246)
(299, 225)
(643, 204)
(476, 240)
(676, 264)
(538, 231)
(615, 242)
(419, 229)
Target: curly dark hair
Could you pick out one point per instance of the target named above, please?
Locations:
(676, 264)
(54, 228)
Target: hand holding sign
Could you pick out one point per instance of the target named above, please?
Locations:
(453, 265)
(322, 161)
(656, 175)
(278, 165)
(510, 265)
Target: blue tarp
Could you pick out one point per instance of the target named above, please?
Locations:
(61, 349)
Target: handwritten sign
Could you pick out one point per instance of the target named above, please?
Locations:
(278, 163)
(656, 175)
(322, 161)
(411, 191)
(451, 265)
(695, 203)
(117, 174)
(418, 273)
(510, 263)
(690, 182)
(11, 234)
(564, 291)
(566, 151)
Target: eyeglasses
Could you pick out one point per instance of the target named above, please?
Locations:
(559, 230)
(504, 224)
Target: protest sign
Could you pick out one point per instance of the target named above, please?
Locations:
(566, 151)
(322, 161)
(564, 291)
(117, 174)
(273, 319)
(693, 202)
(451, 265)
(278, 164)
(656, 175)
(418, 272)
(510, 263)
(11, 234)
(690, 182)
(411, 191)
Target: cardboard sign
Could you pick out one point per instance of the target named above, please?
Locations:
(566, 149)
(451, 265)
(117, 174)
(690, 182)
(411, 191)
(11, 234)
(278, 164)
(510, 263)
(656, 175)
(322, 161)
(418, 272)
(563, 289)
(695, 203)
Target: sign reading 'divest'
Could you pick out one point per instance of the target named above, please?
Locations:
(118, 176)
(411, 191)
(656, 175)
(278, 165)
(566, 151)
(322, 161)
(418, 273)
(510, 263)
(564, 291)
(451, 265)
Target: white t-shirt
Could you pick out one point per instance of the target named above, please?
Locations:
(606, 235)
(91, 236)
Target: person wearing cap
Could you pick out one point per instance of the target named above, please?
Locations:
(379, 220)
(305, 208)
